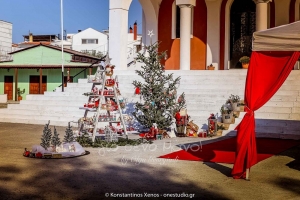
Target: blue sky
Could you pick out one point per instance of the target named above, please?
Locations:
(43, 16)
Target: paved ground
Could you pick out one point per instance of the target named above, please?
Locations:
(135, 171)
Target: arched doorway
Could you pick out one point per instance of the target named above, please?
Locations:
(242, 26)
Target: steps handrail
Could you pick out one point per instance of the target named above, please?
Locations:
(91, 66)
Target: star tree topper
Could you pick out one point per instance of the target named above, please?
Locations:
(150, 33)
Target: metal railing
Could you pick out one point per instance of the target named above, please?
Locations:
(91, 66)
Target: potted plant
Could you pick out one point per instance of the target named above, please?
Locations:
(211, 67)
(220, 128)
(234, 100)
(245, 61)
(226, 113)
(20, 92)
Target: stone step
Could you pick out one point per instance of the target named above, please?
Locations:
(43, 107)
(268, 122)
(125, 80)
(42, 117)
(68, 94)
(285, 116)
(80, 98)
(279, 123)
(188, 72)
(222, 73)
(285, 98)
(54, 122)
(216, 74)
(291, 91)
(270, 132)
(71, 85)
(29, 112)
(285, 135)
(53, 102)
(278, 109)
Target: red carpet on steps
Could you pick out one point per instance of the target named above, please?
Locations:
(224, 151)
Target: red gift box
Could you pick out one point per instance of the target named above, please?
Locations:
(202, 134)
(97, 103)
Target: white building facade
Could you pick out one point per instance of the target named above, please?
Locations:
(5, 40)
(90, 40)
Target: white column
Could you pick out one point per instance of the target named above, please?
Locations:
(118, 32)
(185, 32)
(213, 34)
(261, 14)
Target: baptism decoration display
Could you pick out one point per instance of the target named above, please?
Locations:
(52, 147)
(105, 103)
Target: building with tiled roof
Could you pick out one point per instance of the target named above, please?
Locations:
(38, 68)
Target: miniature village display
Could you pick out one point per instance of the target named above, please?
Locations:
(52, 147)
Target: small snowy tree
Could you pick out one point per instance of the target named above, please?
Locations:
(69, 136)
(46, 137)
(55, 141)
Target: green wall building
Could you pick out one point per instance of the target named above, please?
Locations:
(39, 68)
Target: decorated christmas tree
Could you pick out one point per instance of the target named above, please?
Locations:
(69, 136)
(158, 90)
(55, 141)
(46, 137)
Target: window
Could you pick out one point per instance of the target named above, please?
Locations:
(83, 59)
(89, 41)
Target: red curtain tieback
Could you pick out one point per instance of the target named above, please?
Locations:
(249, 111)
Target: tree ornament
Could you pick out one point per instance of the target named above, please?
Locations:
(137, 91)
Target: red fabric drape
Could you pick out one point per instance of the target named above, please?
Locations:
(266, 73)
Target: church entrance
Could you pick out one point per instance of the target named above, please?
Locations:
(242, 26)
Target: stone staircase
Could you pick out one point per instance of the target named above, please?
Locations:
(205, 91)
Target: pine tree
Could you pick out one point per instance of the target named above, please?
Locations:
(69, 136)
(46, 137)
(158, 90)
(55, 141)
